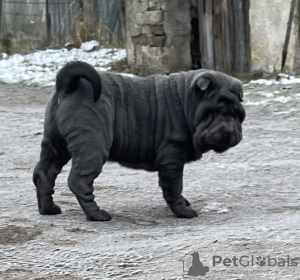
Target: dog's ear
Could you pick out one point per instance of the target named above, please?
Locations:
(203, 80)
(203, 83)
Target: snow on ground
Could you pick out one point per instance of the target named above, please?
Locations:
(40, 67)
(247, 198)
(288, 80)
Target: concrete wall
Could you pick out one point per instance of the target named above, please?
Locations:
(177, 25)
(268, 24)
(158, 35)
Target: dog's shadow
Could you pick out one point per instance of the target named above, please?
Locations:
(134, 221)
(128, 213)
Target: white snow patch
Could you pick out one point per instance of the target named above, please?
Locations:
(282, 99)
(41, 67)
(256, 103)
(263, 82)
(284, 81)
(264, 94)
(214, 207)
(88, 46)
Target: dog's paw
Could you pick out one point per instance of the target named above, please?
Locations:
(100, 215)
(183, 211)
(50, 210)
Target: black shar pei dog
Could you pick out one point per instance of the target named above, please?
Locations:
(157, 123)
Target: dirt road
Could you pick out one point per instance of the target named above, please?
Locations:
(248, 200)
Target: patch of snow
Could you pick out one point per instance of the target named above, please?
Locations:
(88, 46)
(284, 81)
(263, 94)
(256, 103)
(282, 99)
(40, 68)
(214, 207)
(291, 80)
(263, 82)
(266, 101)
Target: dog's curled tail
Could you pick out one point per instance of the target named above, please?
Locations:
(68, 78)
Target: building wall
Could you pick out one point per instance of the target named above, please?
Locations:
(268, 24)
(158, 35)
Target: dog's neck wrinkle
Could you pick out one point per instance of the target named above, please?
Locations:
(173, 97)
(180, 94)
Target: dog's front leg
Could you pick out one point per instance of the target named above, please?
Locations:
(170, 180)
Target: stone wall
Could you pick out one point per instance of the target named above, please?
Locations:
(158, 35)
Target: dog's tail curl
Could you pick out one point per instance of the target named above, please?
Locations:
(68, 78)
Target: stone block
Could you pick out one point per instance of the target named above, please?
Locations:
(155, 51)
(152, 29)
(159, 41)
(140, 40)
(158, 30)
(150, 40)
(143, 7)
(134, 29)
(154, 6)
(139, 18)
(146, 29)
(153, 17)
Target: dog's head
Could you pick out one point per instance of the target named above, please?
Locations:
(218, 113)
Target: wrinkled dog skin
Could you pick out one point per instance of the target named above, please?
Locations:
(157, 123)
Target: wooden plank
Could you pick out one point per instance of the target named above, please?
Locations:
(224, 35)
(241, 30)
(247, 62)
(238, 31)
(201, 33)
(227, 34)
(63, 20)
(217, 35)
(206, 34)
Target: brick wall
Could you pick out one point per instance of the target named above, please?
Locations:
(158, 35)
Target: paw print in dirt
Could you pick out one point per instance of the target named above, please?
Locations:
(261, 261)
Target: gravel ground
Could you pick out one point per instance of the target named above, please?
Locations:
(247, 200)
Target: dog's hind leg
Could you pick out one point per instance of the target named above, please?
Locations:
(54, 155)
(88, 158)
